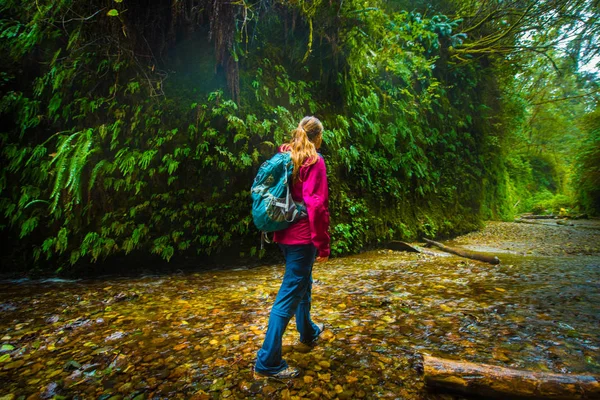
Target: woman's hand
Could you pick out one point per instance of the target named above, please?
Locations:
(322, 259)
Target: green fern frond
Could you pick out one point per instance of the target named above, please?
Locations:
(147, 157)
(61, 169)
(65, 147)
(126, 161)
(89, 242)
(38, 152)
(97, 169)
(78, 160)
(17, 159)
(62, 240)
(28, 226)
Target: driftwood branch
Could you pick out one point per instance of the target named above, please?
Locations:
(532, 222)
(465, 253)
(498, 382)
(398, 245)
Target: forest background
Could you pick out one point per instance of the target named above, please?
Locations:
(132, 129)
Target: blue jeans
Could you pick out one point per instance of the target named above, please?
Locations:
(294, 297)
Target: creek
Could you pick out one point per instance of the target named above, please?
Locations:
(195, 335)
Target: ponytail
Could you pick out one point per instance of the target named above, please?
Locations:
(303, 146)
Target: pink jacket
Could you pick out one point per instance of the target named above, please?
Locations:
(312, 190)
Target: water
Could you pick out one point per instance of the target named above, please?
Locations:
(196, 335)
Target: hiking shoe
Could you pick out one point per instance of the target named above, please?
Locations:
(288, 373)
(315, 341)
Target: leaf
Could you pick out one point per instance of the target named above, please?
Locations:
(500, 289)
(5, 358)
(324, 377)
(445, 308)
(6, 347)
(112, 13)
(180, 346)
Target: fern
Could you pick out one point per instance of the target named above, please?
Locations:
(126, 161)
(38, 152)
(94, 175)
(146, 158)
(78, 160)
(62, 240)
(28, 226)
(89, 242)
(60, 170)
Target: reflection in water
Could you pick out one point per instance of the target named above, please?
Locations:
(196, 335)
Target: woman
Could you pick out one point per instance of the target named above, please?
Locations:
(300, 243)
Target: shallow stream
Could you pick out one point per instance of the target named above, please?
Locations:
(194, 336)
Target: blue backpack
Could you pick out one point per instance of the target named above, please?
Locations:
(273, 208)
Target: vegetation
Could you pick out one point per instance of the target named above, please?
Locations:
(131, 128)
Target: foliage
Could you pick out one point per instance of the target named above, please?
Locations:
(127, 134)
(587, 167)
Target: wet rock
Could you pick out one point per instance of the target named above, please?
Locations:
(163, 374)
(122, 296)
(75, 377)
(268, 390)
(200, 395)
(119, 362)
(256, 387)
(218, 384)
(71, 365)
(77, 323)
(109, 383)
(150, 357)
(49, 391)
(179, 372)
(125, 388)
(115, 336)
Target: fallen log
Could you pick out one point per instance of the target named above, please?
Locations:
(564, 222)
(398, 245)
(465, 253)
(522, 221)
(499, 382)
(529, 216)
(534, 222)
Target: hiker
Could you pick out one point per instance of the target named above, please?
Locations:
(301, 243)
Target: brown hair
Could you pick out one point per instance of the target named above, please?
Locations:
(306, 138)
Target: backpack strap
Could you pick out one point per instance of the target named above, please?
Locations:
(264, 238)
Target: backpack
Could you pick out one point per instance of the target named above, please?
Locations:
(273, 208)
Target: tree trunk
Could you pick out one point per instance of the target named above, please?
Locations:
(465, 253)
(498, 382)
